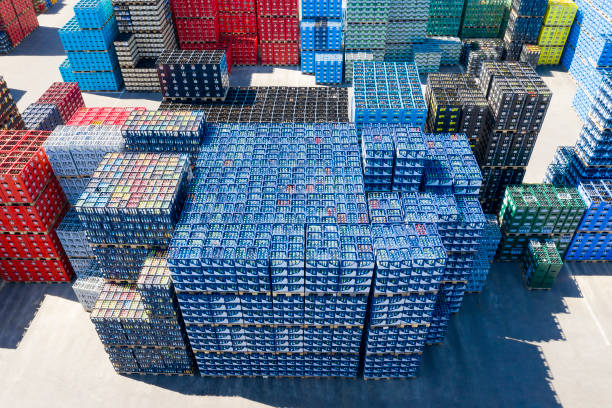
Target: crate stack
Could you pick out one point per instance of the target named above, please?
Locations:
(275, 287)
(523, 27)
(456, 104)
(39, 116)
(541, 264)
(518, 101)
(477, 50)
(197, 26)
(387, 92)
(322, 40)
(445, 17)
(87, 291)
(592, 242)
(238, 27)
(101, 116)
(406, 33)
(538, 211)
(193, 76)
(591, 158)
(66, 96)
(531, 54)
(427, 57)
(588, 51)
(75, 152)
(274, 105)
(9, 115)
(482, 18)
(32, 206)
(71, 233)
(136, 315)
(450, 49)
(487, 247)
(350, 56)
(17, 21)
(279, 32)
(88, 39)
(164, 132)
(555, 30)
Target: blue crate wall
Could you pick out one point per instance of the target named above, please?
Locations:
(329, 67)
(93, 13)
(71, 234)
(387, 92)
(41, 116)
(66, 71)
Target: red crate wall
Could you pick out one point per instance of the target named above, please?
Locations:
(231, 23)
(101, 116)
(244, 49)
(277, 8)
(279, 32)
(285, 29)
(194, 8)
(237, 5)
(66, 96)
(32, 204)
(280, 53)
(17, 19)
(197, 30)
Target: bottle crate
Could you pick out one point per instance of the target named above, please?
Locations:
(329, 67)
(396, 340)
(494, 182)
(36, 270)
(443, 25)
(321, 8)
(206, 66)
(530, 54)
(439, 323)
(364, 11)
(560, 13)
(76, 151)
(284, 28)
(307, 65)
(9, 115)
(71, 234)
(450, 49)
(550, 55)
(25, 167)
(164, 131)
(590, 246)
(38, 116)
(244, 48)
(74, 38)
(482, 18)
(541, 264)
(93, 60)
(553, 36)
(597, 197)
(73, 187)
(232, 5)
(5, 43)
(391, 365)
(529, 7)
(523, 28)
(198, 29)
(476, 50)
(365, 35)
(321, 34)
(231, 23)
(66, 96)
(280, 53)
(115, 116)
(277, 8)
(427, 57)
(194, 8)
(31, 246)
(66, 71)
(87, 291)
(220, 45)
(93, 14)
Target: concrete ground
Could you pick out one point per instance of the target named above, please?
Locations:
(508, 347)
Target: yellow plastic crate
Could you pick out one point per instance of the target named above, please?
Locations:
(560, 13)
(550, 55)
(553, 36)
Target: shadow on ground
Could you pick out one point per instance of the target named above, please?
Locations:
(589, 268)
(41, 35)
(16, 94)
(488, 359)
(19, 303)
(547, 70)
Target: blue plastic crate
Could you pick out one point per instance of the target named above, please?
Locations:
(74, 38)
(99, 81)
(41, 117)
(93, 60)
(66, 71)
(93, 13)
(329, 67)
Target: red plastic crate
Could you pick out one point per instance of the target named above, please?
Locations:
(237, 5)
(7, 12)
(237, 23)
(14, 31)
(36, 270)
(279, 29)
(280, 53)
(244, 49)
(277, 8)
(28, 21)
(66, 96)
(22, 5)
(101, 116)
(194, 8)
(24, 166)
(36, 217)
(197, 30)
(226, 46)
(30, 246)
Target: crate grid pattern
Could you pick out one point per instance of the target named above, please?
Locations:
(17, 21)
(555, 30)
(541, 264)
(9, 115)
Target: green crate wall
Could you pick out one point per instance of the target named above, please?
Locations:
(482, 18)
(541, 264)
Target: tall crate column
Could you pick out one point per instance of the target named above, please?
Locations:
(279, 32)
(524, 23)
(238, 27)
(555, 30)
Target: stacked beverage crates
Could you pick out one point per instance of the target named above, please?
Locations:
(279, 32)
(541, 264)
(455, 103)
(193, 75)
(75, 152)
(146, 29)
(101, 116)
(592, 241)
(136, 315)
(405, 30)
(524, 23)
(164, 131)
(538, 211)
(32, 205)
(88, 39)
(322, 40)
(477, 50)
(350, 56)
(518, 100)
(66, 96)
(9, 115)
(445, 17)
(41, 117)
(274, 105)
(482, 18)
(427, 57)
(71, 233)
(487, 248)
(450, 49)
(87, 291)
(555, 30)
(387, 92)
(587, 54)
(238, 27)
(530, 54)
(17, 21)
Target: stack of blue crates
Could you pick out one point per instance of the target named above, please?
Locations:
(88, 40)
(41, 116)
(377, 151)
(486, 252)
(322, 40)
(71, 233)
(164, 131)
(588, 51)
(593, 239)
(387, 92)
